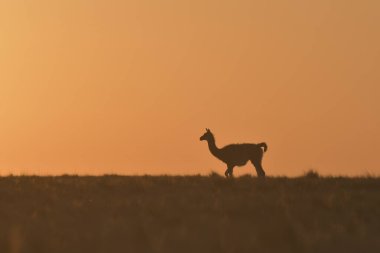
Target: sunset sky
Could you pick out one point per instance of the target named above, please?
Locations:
(128, 87)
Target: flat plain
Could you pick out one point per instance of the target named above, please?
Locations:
(189, 214)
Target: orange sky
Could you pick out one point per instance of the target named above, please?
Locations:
(128, 87)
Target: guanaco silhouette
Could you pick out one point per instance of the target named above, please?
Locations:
(237, 154)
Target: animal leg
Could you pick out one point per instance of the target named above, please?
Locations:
(229, 172)
(259, 168)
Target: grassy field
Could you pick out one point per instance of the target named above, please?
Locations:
(189, 214)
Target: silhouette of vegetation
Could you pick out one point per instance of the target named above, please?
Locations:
(237, 154)
(188, 214)
(311, 174)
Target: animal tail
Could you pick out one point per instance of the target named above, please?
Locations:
(263, 145)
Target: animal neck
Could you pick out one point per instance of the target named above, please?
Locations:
(212, 147)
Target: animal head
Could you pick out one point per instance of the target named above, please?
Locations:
(207, 136)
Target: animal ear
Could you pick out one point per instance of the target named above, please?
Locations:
(208, 130)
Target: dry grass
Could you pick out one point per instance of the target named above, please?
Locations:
(189, 214)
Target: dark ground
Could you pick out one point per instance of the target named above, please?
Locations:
(188, 214)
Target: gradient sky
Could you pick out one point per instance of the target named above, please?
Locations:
(118, 86)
